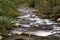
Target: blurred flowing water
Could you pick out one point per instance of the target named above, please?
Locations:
(29, 19)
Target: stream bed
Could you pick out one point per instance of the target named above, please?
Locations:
(32, 24)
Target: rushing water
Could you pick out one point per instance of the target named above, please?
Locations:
(29, 19)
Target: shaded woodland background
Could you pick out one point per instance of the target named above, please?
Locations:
(8, 9)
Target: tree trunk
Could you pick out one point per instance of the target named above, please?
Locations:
(52, 4)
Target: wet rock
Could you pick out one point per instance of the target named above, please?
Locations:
(58, 19)
(34, 10)
(1, 37)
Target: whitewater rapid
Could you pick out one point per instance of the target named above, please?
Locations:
(28, 19)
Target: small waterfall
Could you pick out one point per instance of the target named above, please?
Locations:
(29, 19)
